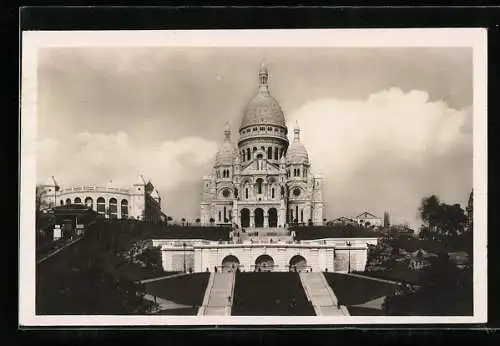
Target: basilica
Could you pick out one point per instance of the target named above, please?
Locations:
(262, 181)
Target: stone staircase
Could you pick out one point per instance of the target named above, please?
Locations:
(220, 287)
(321, 295)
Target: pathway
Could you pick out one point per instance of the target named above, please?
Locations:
(55, 252)
(220, 287)
(145, 281)
(321, 295)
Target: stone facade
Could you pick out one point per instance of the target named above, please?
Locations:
(262, 181)
(140, 201)
(333, 255)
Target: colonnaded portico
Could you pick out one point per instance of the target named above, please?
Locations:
(259, 217)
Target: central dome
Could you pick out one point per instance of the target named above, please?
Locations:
(263, 109)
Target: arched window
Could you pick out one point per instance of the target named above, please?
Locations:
(89, 202)
(78, 200)
(298, 172)
(68, 201)
(248, 154)
(246, 193)
(124, 208)
(302, 215)
(276, 153)
(259, 186)
(219, 216)
(101, 205)
(270, 153)
(272, 192)
(225, 214)
(254, 149)
(113, 208)
(62, 202)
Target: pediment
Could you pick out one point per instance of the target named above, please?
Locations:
(268, 169)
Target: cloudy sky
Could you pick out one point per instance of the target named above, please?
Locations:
(385, 127)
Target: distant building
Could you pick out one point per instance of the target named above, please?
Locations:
(368, 219)
(141, 201)
(343, 221)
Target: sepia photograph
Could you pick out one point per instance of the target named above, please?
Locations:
(253, 177)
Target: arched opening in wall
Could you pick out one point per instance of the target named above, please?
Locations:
(245, 217)
(89, 202)
(272, 217)
(276, 153)
(113, 208)
(248, 154)
(101, 205)
(272, 193)
(62, 202)
(78, 200)
(270, 153)
(68, 201)
(264, 263)
(246, 193)
(259, 185)
(298, 264)
(230, 264)
(254, 149)
(259, 217)
(124, 209)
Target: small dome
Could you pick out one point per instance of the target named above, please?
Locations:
(226, 153)
(140, 180)
(297, 153)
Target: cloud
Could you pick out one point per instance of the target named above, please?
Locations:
(387, 152)
(383, 153)
(97, 158)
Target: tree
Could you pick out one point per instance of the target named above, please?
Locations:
(441, 221)
(387, 222)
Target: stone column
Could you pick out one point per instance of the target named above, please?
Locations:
(252, 222)
(266, 220)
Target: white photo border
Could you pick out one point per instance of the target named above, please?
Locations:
(32, 41)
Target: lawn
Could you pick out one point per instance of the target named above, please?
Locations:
(352, 290)
(186, 290)
(270, 294)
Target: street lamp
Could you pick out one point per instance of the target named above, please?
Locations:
(349, 256)
(184, 247)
